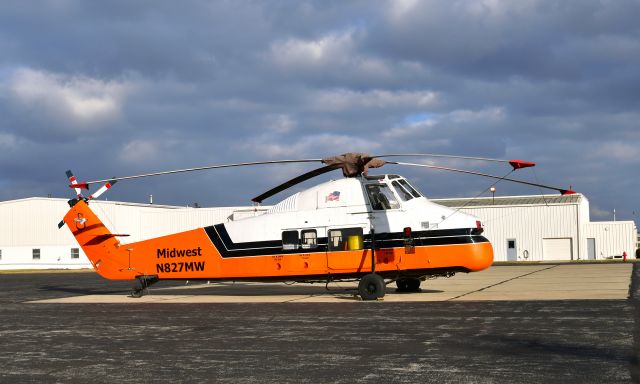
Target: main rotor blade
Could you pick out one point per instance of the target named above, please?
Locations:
(562, 191)
(204, 168)
(516, 164)
(294, 181)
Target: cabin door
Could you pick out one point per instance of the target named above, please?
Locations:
(345, 248)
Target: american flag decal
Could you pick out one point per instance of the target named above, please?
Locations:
(333, 196)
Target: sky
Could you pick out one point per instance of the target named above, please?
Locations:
(117, 88)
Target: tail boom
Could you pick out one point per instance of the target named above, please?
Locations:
(116, 261)
(101, 246)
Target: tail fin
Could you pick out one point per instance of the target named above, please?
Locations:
(98, 243)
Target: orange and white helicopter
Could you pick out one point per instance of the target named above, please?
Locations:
(361, 227)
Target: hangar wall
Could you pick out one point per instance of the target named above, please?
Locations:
(611, 238)
(528, 225)
(545, 227)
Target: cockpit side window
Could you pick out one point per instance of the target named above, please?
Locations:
(403, 193)
(381, 197)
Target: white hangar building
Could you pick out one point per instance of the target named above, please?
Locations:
(547, 227)
(521, 228)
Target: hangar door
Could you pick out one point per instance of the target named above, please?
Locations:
(557, 249)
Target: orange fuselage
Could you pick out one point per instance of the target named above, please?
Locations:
(204, 253)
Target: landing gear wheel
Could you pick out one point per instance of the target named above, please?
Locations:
(403, 285)
(142, 283)
(408, 284)
(371, 287)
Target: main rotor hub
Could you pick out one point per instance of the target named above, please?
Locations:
(354, 164)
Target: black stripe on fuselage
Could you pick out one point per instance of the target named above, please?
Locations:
(227, 248)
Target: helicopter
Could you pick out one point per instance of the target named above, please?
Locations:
(373, 229)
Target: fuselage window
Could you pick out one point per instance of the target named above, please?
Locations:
(346, 239)
(404, 195)
(381, 197)
(409, 188)
(309, 238)
(290, 240)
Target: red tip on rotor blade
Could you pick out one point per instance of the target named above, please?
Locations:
(567, 192)
(518, 164)
(79, 185)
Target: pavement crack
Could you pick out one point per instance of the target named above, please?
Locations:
(501, 282)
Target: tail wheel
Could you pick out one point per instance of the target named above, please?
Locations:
(142, 284)
(371, 287)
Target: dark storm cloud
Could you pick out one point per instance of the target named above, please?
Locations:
(115, 88)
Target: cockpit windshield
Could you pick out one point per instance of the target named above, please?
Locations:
(403, 193)
(404, 190)
(409, 188)
(381, 197)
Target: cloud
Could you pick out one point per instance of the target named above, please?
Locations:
(8, 141)
(487, 115)
(85, 102)
(309, 146)
(345, 99)
(618, 151)
(139, 151)
(280, 123)
(124, 88)
(337, 58)
(600, 214)
(324, 50)
(449, 132)
(411, 130)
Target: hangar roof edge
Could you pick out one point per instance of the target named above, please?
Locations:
(511, 200)
(125, 203)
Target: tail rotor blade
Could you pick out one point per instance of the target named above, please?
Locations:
(74, 183)
(102, 189)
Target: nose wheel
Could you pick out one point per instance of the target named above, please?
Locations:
(371, 287)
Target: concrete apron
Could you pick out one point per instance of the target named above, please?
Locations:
(498, 283)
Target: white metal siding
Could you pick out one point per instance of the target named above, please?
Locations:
(528, 225)
(51, 256)
(21, 219)
(612, 237)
